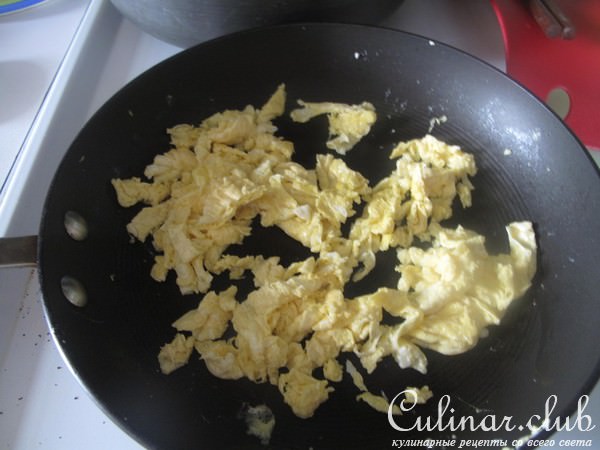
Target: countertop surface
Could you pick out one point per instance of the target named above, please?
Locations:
(34, 42)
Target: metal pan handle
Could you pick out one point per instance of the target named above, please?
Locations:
(18, 251)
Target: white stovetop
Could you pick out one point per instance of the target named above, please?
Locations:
(41, 403)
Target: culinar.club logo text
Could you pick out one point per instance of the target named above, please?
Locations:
(446, 421)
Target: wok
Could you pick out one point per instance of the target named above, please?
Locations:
(546, 344)
(189, 22)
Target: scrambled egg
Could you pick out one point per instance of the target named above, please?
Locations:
(417, 395)
(348, 124)
(260, 421)
(377, 402)
(202, 195)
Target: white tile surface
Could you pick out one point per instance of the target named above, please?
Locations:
(42, 405)
(33, 43)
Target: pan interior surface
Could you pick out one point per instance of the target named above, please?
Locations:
(530, 168)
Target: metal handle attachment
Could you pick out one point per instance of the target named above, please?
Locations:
(18, 251)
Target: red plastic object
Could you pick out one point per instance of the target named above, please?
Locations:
(542, 64)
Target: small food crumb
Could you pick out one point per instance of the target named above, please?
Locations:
(436, 121)
(260, 421)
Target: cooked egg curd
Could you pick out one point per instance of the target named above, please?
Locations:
(203, 194)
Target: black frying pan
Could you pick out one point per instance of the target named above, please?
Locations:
(547, 343)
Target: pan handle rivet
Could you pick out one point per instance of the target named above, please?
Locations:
(74, 291)
(76, 226)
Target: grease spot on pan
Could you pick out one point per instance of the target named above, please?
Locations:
(361, 54)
